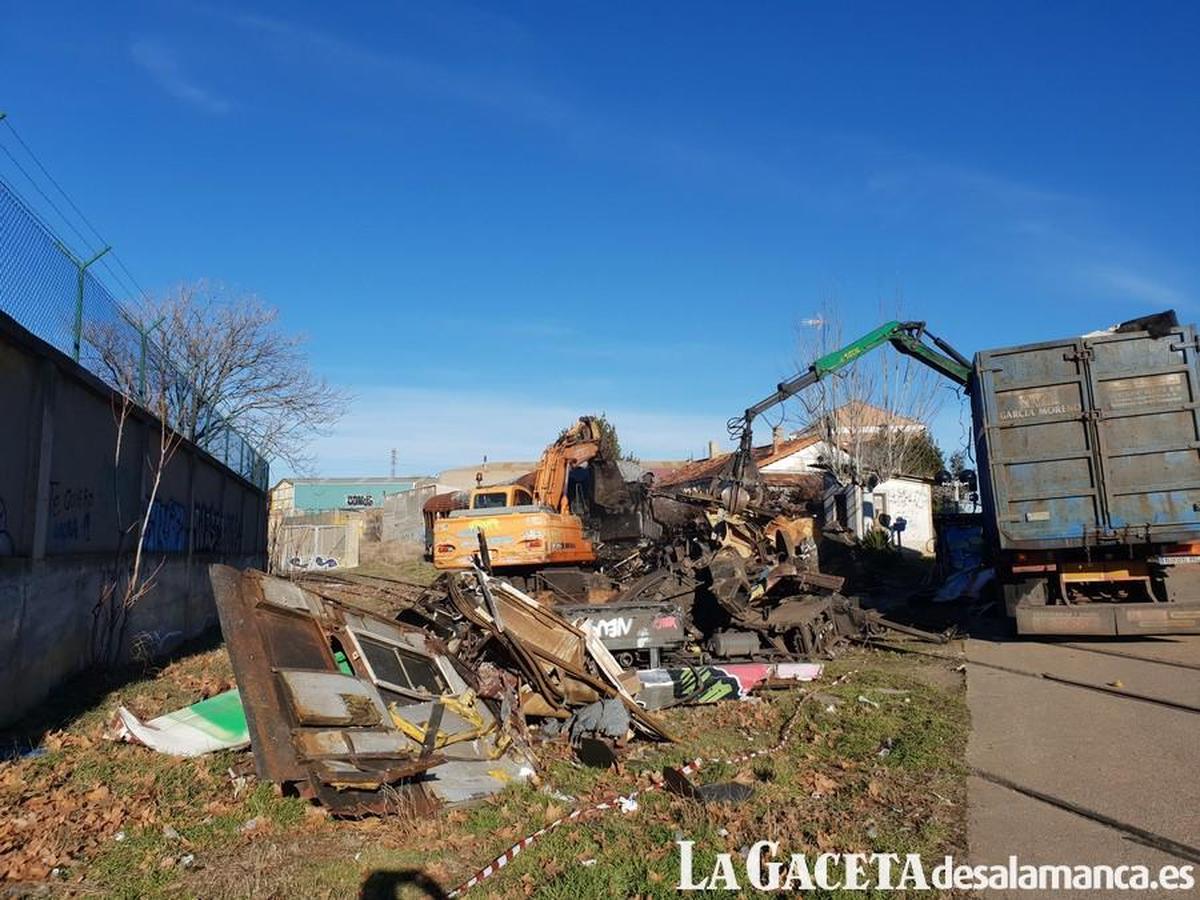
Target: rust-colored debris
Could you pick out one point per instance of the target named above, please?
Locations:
(438, 702)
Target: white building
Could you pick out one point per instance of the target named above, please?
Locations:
(903, 504)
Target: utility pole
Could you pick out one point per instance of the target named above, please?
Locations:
(393, 463)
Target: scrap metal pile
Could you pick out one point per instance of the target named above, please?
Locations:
(367, 714)
(443, 700)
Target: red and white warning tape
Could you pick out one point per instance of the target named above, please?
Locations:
(626, 803)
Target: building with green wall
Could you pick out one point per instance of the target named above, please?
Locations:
(302, 496)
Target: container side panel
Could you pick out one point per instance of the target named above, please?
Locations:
(1125, 394)
(1145, 392)
(1170, 470)
(1050, 520)
(1043, 488)
(1039, 402)
(1050, 478)
(1136, 353)
(1041, 438)
(1176, 510)
(1133, 434)
(1039, 364)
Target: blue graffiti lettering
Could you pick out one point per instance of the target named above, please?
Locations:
(166, 528)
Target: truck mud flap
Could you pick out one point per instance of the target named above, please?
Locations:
(1110, 619)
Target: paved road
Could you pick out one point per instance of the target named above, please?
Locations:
(1127, 760)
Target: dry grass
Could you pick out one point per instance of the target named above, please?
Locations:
(862, 777)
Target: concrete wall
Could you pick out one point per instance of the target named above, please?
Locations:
(316, 548)
(69, 516)
(910, 499)
(403, 516)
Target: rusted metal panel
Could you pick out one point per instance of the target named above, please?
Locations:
(270, 735)
(313, 725)
(1091, 440)
(331, 698)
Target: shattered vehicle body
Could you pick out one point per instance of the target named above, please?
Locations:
(712, 585)
(564, 664)
(358, 712)
(724, 585)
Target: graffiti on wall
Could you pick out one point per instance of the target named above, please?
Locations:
(70, 513)
(215, 531)
(166, 528)
(312, 548)
(315, 564)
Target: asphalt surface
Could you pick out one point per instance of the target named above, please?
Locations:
(1131, 763)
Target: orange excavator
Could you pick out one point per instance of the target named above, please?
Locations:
(526, 528)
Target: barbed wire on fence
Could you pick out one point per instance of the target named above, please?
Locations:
(55, 293)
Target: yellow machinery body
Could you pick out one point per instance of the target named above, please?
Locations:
(525, 527)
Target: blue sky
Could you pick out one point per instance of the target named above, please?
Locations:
(492, 218)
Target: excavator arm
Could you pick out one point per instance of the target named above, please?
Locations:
(576, 445)
(907, 337)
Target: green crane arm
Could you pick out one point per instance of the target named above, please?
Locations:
(907, 337)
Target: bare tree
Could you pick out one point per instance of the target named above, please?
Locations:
(220, 360)
(875, 414)
(123, 588)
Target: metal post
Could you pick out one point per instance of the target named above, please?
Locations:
(82, 267)
(145, 333)
(142, 367)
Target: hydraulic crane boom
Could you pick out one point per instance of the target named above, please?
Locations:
(906, 337)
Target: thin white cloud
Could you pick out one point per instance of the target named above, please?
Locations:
(162, 64)
(908, 175)
(1136, 286)
(1065, 237)
(526, 103)
(434, 430)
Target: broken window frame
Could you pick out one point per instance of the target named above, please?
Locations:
(447, 682)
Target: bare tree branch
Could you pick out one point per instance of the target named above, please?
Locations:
(875, 415)
(222, 361)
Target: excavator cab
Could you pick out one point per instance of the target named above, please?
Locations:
(500, 496)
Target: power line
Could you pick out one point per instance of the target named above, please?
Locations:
(86, 243)
(51, 179)
(74, 206)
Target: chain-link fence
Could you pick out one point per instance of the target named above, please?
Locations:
(57, 296)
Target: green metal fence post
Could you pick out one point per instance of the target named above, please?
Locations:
(145, 333)
(142, 366)
(81, 267)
